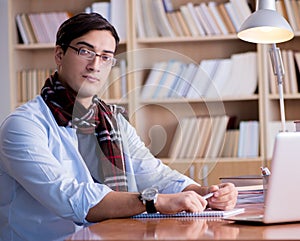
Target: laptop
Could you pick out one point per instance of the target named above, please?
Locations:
(282, 200)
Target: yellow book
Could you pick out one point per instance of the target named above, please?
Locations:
(226, 18)
(183, 24)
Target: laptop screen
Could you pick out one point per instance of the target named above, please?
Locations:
(283, 196)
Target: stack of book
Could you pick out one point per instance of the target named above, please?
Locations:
(247, 181)
(250, 188)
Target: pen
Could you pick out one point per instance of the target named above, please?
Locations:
(208, 195)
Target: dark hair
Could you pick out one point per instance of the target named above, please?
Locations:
(81, 24)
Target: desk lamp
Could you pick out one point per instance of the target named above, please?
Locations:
(266, 26)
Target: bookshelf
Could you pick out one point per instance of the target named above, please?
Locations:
(155, 119)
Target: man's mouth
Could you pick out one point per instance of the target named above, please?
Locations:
(91, 78)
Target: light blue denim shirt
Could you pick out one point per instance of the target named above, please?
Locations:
(46, 189)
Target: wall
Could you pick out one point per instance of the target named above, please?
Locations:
(4, 61)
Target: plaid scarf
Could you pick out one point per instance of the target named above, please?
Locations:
(98, 119)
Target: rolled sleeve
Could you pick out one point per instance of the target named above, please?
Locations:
(86, 198)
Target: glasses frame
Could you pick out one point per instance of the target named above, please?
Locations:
(105, 59)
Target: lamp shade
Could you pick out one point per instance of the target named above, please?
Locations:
(265, 26)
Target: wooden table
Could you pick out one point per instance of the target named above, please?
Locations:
(187, 229)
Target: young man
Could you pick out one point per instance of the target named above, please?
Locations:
(68, 159)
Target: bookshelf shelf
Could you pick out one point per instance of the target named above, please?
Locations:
(286, 96)
(34, 46)
(207, 160)
(199, 100)
(187, 39)
(39, 46)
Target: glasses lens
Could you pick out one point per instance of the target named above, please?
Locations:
(113, 62)
(86, 53)
(90, 55)
(107, 60)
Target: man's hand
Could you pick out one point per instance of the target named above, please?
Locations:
(224, 198)
(188, 201)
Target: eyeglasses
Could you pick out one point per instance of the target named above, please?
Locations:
(91, 55)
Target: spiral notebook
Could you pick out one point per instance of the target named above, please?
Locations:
(206, 213)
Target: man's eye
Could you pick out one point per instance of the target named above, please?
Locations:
(105, 58)
(85, 52)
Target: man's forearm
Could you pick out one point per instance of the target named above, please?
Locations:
(116, 204)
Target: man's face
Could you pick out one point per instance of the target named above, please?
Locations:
(86, 76)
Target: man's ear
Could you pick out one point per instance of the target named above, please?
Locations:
(58, 54)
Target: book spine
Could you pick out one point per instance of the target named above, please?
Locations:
(30, 82)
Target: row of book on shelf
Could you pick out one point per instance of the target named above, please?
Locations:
(30, 82)
(212, 78)
(290, 10)
(209, 137)
(168, 18)
(41, 27)
(291, 78)
(216, 136)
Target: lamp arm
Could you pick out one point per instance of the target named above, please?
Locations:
(278, 70)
